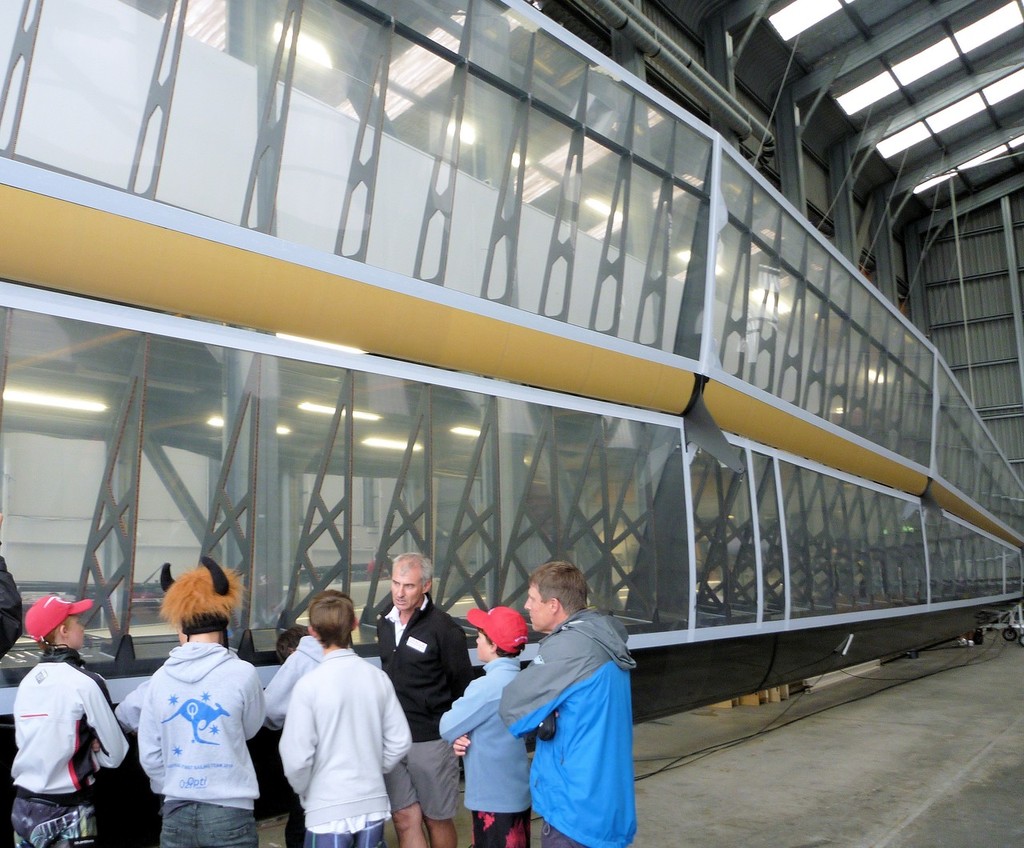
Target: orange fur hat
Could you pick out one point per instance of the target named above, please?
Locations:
(202, 600)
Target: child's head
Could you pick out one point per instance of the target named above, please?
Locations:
(201, 600)
(332, 617)
(52, 621)
(501, 627)
(288, 641)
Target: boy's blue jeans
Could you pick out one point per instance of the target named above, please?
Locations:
(209, 826)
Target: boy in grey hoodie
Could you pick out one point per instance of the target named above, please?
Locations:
(199, 709)
(344, 730)
(304, 654)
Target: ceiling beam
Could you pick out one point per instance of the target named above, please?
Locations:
(888, 124)
(741, 11)
(990, 195)
(890, 33)
(931, 165)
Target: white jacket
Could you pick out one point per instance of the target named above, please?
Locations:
(344, 730)
(59, 709)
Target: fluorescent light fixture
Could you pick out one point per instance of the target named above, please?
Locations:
(471, 432)
(952, 115)
(467, 133)
(390, 444)
(987, 156)
(903, 139)
(802, 14)
(322, 409)
(318, 343)
(925, 61)
(1016, 142)
(53, 401)
(867, 93)
(309, 406)
(1002, 20)
(1006, 87)
(309, 48)
(602, 209)
(218, 421)
(934, 181)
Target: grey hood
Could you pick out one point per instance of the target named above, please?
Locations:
(194, 661)
(606, 631)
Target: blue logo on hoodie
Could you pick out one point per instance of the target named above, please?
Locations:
(201, 716)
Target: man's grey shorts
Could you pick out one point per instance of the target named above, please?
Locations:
(429, 773)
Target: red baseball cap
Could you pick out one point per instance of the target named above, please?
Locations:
(49, 612)
(503, 626)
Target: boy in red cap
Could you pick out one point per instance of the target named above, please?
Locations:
(497, 771)
(65, 730)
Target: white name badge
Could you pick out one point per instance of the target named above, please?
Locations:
(416, 644)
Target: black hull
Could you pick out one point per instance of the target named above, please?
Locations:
(676, 678)
(668, 679)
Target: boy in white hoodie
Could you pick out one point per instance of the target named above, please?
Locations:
(344, 730)
(299, 653)
(199, 709)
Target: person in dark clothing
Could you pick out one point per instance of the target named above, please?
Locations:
(10, 606)
(426, 655)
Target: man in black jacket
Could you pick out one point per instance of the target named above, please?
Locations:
(425, 654)
(10, 607)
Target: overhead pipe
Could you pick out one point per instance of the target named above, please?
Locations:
(624, 17)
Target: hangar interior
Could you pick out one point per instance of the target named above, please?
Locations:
(720, 298)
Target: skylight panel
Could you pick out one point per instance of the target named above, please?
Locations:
(1006, 87)
(987, 156)
(984, 30)
(867, 93)
(959, 111)
(903, 139)
(934, 181)
(925, 62)
(802, 14)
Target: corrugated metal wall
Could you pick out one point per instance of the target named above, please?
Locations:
(971, 317)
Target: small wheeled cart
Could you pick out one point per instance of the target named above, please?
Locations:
(1009, 621)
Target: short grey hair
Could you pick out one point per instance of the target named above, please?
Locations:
(403, 562)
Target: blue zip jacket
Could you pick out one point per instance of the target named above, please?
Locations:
(497, 768)
(582, 778)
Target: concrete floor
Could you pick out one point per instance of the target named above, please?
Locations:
(916, 753)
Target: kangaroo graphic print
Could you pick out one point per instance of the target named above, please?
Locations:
(200, 715)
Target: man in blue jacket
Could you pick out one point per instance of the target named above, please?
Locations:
(575, 696)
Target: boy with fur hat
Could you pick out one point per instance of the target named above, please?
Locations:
(497, 770)
(65, 730)
(199, 709)
(344, 730)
